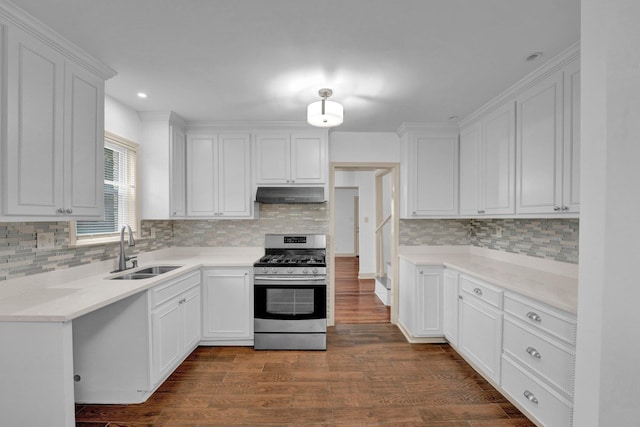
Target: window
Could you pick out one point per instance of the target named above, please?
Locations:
(120, 207)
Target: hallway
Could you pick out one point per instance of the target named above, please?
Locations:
(356, 301)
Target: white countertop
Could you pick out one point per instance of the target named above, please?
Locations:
(550, 282)
(64, 295)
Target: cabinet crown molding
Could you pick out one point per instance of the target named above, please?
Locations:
(436, 128)
(12, 14)
(563, 58)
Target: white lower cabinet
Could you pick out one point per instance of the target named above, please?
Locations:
(480, 326)
(124, 351)
(450, 310)
(421, 300)
(538, 359)
(227, 306)
(545, 405)
(175, 327)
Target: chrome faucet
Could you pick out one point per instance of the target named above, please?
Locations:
(122, 263)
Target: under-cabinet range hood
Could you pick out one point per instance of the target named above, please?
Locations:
(284, 195)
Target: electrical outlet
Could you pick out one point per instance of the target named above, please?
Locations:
(45, 240)
(499, 231)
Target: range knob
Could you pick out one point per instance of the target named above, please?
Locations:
(264, 269)
(314, 271)
(274, 270)
(305, 271)
(289, 270)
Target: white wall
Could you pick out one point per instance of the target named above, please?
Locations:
(345, 221)
(122, 120)
(608, 345)
(364, 147)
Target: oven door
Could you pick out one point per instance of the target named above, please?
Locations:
(290, 298)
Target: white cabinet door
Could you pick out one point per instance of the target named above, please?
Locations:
(202, 179)
(167, 338)
(480, 335)
(571, 163)
(470, 141)
(285, 158)
(308, 159)
(421, 300)
(487, 164)
(227, 305)
(33, 181)
(191, 319)
(83, 143)
(539, 147)
(433, 176)
(234, 177)
(450, 306)
(429, 302)
(219, 176)
(498, 162)
(273, 158)
(177, 173)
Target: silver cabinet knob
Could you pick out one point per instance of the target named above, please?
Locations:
(533, 353)
(556, 208)
(477, 291)
(532, 397)
(60, 210)
(69, 211)
(565, 208)
(534, 316)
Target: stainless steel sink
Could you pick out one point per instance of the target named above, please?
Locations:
(146, 273)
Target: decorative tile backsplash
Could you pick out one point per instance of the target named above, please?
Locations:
(434, 232)
(554, 239)
(298, 218)
(19, 255)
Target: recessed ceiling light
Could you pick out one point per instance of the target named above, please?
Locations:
(142, 95)
(453, 118)
(534, 56)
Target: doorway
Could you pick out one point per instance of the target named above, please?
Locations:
(374, 233)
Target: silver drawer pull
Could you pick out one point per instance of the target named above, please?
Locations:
(533, 352)
(532, 398)
(478, 291)
(534, 316)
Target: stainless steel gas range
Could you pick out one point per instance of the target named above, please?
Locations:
(290, 293)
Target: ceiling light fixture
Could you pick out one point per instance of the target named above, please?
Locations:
(325, 113)
(142, 95)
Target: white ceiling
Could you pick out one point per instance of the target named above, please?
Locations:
(387, 61)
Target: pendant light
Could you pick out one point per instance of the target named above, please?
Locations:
(325, 113)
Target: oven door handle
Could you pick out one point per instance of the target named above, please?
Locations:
(301, 280)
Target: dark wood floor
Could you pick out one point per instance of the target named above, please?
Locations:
(356, 301)
(369, 376)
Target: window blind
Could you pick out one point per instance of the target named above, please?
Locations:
(120, 159)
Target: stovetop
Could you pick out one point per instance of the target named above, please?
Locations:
(291, 260)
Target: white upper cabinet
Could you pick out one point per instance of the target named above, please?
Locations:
(291, 158)
(487, 164)
(162, 166)
(571, 143)
(178, 173)
(35, 131)
(430, 175)
(548, 144)
(219, 176)
(53, 163)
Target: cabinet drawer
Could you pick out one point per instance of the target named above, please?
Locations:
(166, 291)
(552, 321)
(482, 290)
(553, 361)
(547, 407)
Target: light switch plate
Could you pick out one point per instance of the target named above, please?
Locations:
(45, 240)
